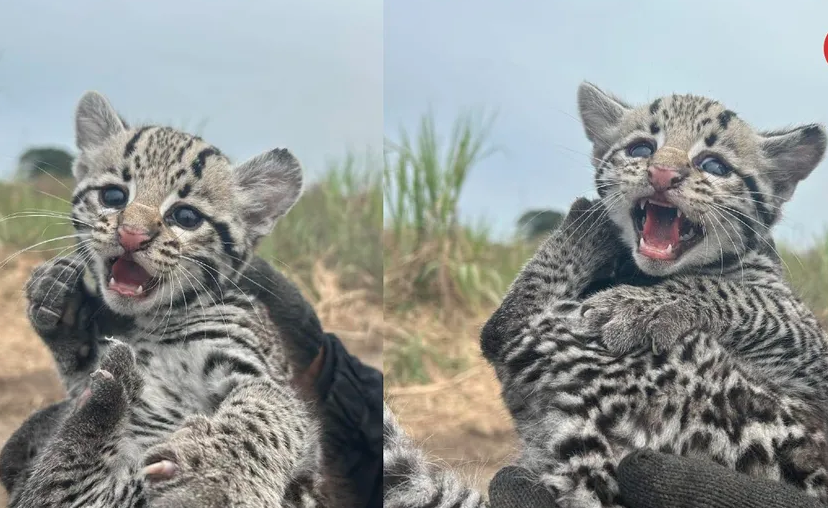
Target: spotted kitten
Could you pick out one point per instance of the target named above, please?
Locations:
(721, 360)
(190, 405)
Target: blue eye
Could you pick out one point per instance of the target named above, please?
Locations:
(714, 166)
(112, 196)
(187, 217)
(640, 149)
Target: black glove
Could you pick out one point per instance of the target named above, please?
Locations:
(512, 487)
(288, 309)
(649, 479)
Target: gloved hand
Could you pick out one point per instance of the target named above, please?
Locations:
(649, 479)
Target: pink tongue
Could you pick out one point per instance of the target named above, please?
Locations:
(660, 229)
(128, 272)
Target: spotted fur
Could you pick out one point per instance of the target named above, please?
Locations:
(199, 377)
(720, 359)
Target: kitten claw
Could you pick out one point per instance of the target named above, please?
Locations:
(161, 470)
(102, 374)
(84, 397)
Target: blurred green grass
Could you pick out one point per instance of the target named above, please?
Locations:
(338, 221)
(431, 256)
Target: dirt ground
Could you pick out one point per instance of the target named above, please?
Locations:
(28, 380)
(460, 421)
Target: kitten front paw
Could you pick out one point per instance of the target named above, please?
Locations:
(102, 405)
(182, 452)
(119, 360)
(188, 470)
(53, 294)
(625, 319)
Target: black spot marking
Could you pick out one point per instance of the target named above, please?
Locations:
(580, 446)
(184, 149)
(185, 191)
(725, 117)
(711, 139)
(126, 174)
(237, 365)
(201, 160)
(130, 146)
(227, 243)
(753, 456)
(251, 450)
(654, 128)
(757, 198)
(654, 106)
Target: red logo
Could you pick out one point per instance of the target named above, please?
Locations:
(825, 48)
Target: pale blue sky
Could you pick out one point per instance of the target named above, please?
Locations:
(763, 58)
(304, 75)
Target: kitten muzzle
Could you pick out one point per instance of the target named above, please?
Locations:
(665, 233)
(128, 278)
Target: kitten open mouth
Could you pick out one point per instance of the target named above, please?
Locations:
(665, 233)
(128, 278)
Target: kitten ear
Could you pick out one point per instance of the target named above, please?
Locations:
(95, 121)
(270, 184)
(793, 154)
(600, 113)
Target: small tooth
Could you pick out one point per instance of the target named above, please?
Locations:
(112, 281)
(642, 203)
(669, 248)
(140, 290)
(679, 214)
(641, 242)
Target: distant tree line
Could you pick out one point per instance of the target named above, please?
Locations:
(38, 161)
(536, 223)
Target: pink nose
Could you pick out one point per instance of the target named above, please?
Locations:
(132, 238)
(663, 178)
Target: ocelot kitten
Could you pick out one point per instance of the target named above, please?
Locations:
(658, 317)
(192, 405)
(720, 359)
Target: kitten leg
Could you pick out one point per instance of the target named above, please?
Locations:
(28, 441)
(248, 452)
(533, 335)
(57, 312)
(579, 252)
(85, 445)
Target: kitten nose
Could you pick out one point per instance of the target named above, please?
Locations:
(663, 178)
(132, 238)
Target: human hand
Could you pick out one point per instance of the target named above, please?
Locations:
(649, 479)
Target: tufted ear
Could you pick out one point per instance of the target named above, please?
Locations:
(270, 184)
(95, 121)
(793, 154)
(600, 113)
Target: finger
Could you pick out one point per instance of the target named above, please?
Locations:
(514, 487)
(649, 479)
